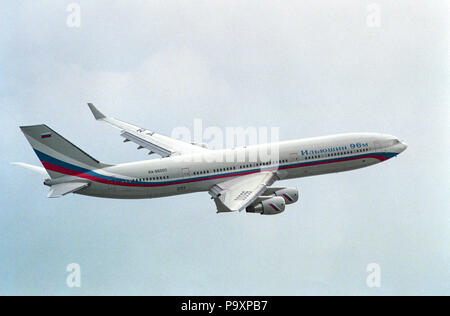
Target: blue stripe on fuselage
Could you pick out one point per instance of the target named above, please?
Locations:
(57, 162)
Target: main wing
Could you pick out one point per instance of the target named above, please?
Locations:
(236, 194)
(156, 143)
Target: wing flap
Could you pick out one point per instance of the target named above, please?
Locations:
(144, 143)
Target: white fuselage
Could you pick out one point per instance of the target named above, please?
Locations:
(199, 172)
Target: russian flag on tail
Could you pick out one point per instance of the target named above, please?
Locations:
(46, 135)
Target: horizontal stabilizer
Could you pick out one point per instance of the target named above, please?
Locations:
(61, 189)
(35, 169)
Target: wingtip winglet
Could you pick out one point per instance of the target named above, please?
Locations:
(97, 114)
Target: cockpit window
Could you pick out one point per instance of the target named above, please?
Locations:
(393, 142)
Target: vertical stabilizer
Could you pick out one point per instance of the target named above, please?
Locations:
(58, 156)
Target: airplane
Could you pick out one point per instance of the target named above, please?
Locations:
(234, 184)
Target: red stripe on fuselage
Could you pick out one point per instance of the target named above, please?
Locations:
(380, 158)
(70, 172)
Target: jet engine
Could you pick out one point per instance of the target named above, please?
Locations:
(290, 195)
(271, 206)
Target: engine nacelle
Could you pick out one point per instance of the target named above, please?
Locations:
(290, 195)
(272, 206)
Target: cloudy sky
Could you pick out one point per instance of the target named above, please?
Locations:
(308, 67)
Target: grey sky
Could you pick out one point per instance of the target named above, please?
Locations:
(309, 67)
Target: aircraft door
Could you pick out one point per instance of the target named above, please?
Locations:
(376, 146)
(293, 157)
(186, 172)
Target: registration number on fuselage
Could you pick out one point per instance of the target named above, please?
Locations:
(157, 171)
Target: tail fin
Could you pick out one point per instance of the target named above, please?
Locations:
(58, 156)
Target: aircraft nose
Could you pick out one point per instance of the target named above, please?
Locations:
(404, 146)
